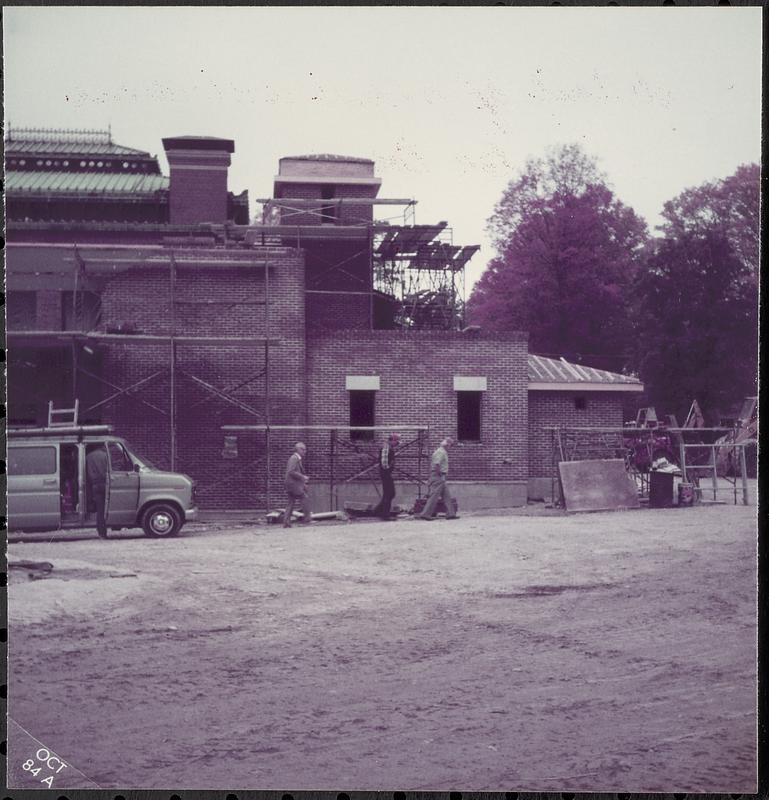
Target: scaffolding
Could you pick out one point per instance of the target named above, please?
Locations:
(423, 272)
(640, 446)
(415, 270)
(348, 460)
(283, 211)
(88, 262)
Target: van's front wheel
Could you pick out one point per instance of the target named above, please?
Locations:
(161, 520)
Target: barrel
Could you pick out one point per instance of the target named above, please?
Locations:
(685, 494)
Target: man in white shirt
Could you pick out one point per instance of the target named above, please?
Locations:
(438, 488)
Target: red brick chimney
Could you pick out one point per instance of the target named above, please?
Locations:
(198, 191)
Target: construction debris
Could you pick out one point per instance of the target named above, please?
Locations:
(277, 516)
(601, 485)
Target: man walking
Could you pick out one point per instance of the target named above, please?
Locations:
(438, 488)
(296, 486)
(386, 466)
(96, 470)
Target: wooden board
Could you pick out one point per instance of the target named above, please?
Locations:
(601, 485)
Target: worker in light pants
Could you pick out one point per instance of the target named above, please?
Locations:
(296, 486)
(438, 488)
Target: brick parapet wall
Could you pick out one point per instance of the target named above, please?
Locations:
(416, 371)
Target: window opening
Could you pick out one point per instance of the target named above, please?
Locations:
(362, 404)
(580, 403)
(32, 460)
(118, 458)
(327, 213)
(469, 416)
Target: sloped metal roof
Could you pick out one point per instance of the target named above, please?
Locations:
(69, 148)
(17, 181)
(551, 370)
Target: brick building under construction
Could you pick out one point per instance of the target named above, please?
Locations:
(213, 344)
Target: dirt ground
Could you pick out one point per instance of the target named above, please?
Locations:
(599, 652)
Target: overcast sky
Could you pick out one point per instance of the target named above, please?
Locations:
(449, 102)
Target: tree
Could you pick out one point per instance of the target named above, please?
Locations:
(567, 252)
(696, 315)
(730, 207)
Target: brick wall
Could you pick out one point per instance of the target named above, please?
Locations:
(416, 370)
(198, 196)
(48, 305)
(353, 213)
(326, 312)
(344, 213)
(301, 215)
(198, 180)
(558, 408)
(21, 310)
(215, 302)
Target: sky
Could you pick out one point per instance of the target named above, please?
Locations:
(449, 102)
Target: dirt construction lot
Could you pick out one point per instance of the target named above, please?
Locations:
(607, 652)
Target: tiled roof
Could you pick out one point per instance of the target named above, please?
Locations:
(330, 157)
(69, 148)
(550, 370)
(17, 181)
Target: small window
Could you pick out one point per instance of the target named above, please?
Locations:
(469, 416)
(362, 412)
(31, 461)
(118, 458)
(580, 403)
(327, 213)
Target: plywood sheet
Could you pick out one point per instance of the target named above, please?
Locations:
(600, 485)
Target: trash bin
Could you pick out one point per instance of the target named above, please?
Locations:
(660, 489)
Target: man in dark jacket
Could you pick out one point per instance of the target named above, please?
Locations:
(386, 460)
(296, 486)
(96, 471)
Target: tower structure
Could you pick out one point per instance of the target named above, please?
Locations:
(362, 270)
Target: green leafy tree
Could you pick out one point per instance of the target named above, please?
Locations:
(567, 252)
(696, 312)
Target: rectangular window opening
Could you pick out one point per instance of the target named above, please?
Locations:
(327, 213)
(580, 403)
(362, 403)
(469, 416)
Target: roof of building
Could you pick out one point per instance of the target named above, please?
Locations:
(53, 141)
(213, 143)
(84, 183)
(14, 148)
(329, 157)
(560, 371)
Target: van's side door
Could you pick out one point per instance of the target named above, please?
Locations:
(33, 486)
(123, 486)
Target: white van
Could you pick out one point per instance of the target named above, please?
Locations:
(47, 489)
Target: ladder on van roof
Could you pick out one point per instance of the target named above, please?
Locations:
(69, 415)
